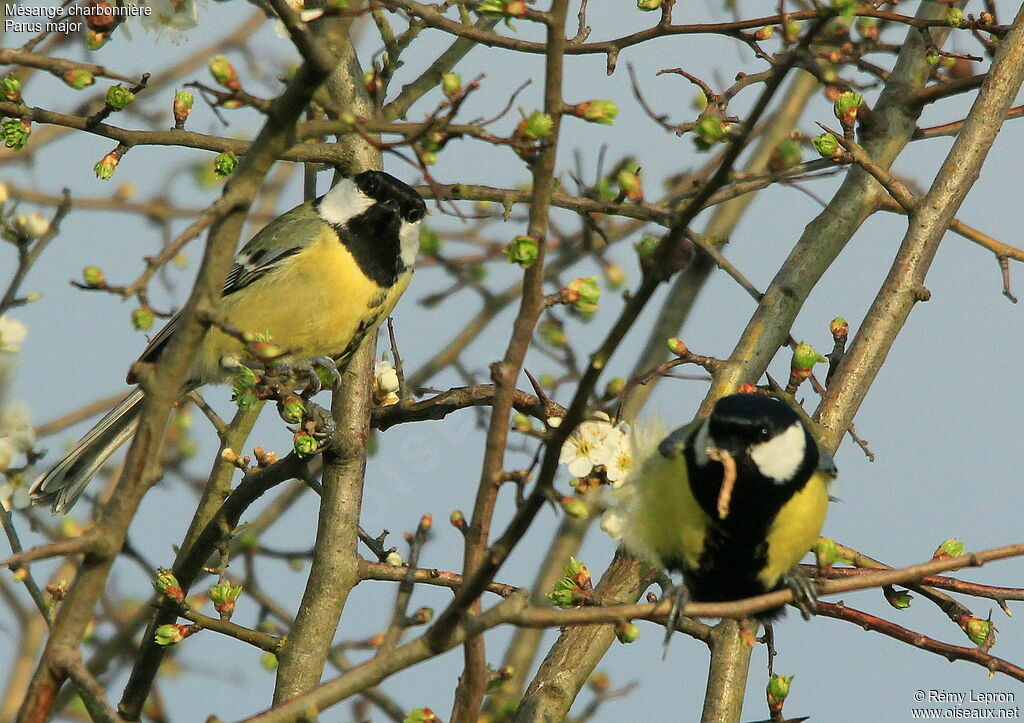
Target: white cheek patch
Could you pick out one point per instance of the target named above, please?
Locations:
(409, 242)
(780, 457)
(344, 202)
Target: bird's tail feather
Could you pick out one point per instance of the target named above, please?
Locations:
(64, 483)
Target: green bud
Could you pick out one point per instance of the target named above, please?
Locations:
(573, 588)
(451, 85)
(268, 661)
(224, 164)
(248, 540)
(78, 78)
(615, 387)
(522, 250)
(827, 552)
(709, 130)
(167, 584)
(577, 570)
(846, 105)
(421, 715)
(764, 32)
(119, 97)
(949, 548)
(95, 39)
(224, 595)
(224, 72)
(583, 294)
(10, 87)
(778, 690)
(537, 125)
(898, 599)
(648, 5)
(647, 251)
(561, 598)
(866, 27)
(626, 633)
(805, 357)
(292, 410)
(845, 8)
(630, 184)
(955, 17)
(182, 106)
(827, 145)
(575, 507)
(598, 111)
(491, 7)
(93, 277)
(791, 32)
(246, 400)
(977, 629)
(677, 347)
(304, 443)
(15, 133)
(245, 378)
(522, 423)
(787, 154)
(430, 241)
(142, 319)
(839, 327)
(104, 169)
(457, 520)
(172, 634)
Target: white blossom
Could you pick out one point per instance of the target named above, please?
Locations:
(585, 447)
(385, 376)
(12, 334)
(16, 426)
(32, 225)
(7, 452)
(385, 383)
(620, 457)
(175, 15)
(14, 497)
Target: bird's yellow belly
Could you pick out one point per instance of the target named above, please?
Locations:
(795, 529)
(318, 304)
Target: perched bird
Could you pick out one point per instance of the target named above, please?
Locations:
(732, 502)
(316, 280)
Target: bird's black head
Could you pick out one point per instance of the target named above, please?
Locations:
(744, 420)
(377, 217)
(765, 437)
(392, 194)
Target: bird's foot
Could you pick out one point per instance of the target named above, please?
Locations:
(805, 592)
(312, 367)
(677, 594)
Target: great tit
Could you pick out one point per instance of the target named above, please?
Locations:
(733, 501)
(316, 280)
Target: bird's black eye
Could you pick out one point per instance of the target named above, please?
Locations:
(763, 434)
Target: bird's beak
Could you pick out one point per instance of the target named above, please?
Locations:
(724, 455)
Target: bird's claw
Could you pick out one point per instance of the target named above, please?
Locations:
(677, 594)
(805, 592)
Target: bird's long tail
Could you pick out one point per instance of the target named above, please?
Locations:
(64, 483)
